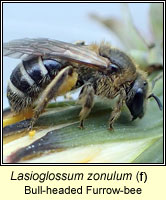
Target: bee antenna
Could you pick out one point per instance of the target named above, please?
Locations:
(157, 100)
(155, 80)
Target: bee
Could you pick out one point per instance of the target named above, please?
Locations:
(50, 68)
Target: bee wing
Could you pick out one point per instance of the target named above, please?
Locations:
(54, 49)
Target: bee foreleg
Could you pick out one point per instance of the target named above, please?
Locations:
(86, 99)
(61, 84)
(117, 109)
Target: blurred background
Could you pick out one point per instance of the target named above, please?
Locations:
(63, 21)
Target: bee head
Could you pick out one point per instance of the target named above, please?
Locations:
(137, 96)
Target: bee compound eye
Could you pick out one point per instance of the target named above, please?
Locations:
(113, 68)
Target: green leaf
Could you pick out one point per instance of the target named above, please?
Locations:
(153, 154)
(58, 130)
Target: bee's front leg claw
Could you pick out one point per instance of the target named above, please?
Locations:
(111, 127)
(81, 126)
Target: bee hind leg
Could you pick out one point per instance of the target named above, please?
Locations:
(62, 83)
(117, 109)
(86, 99)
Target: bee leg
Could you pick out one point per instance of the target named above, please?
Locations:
(86, 99)
(117, 109)
(62, 83)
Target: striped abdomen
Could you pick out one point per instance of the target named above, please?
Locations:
(28, 80)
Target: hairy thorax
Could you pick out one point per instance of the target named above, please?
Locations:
(105, 87)
(103, 84)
